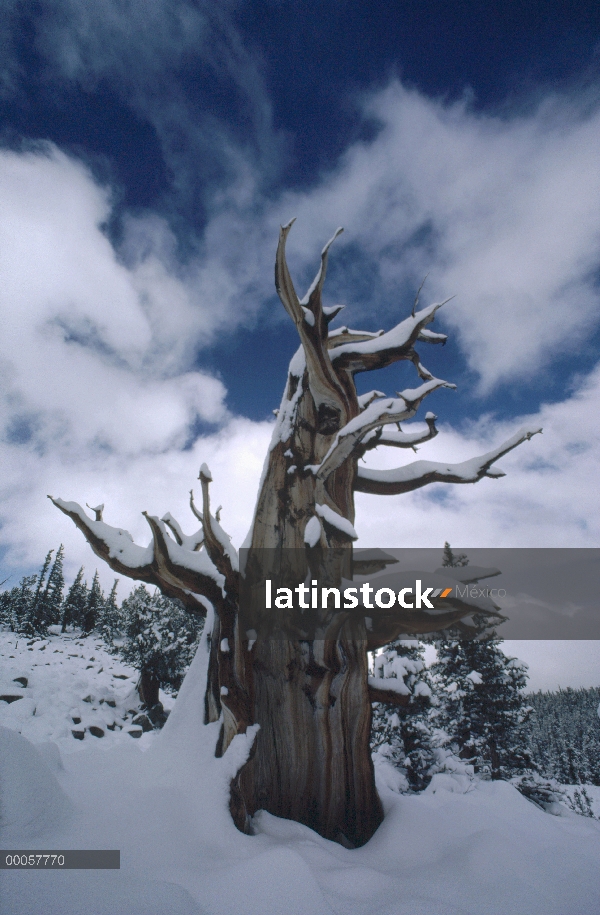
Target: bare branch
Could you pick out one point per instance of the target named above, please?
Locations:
(342, 335)
(182, 568)
(192, 542)
(416, 302)
(430, 336)
(383, 350)
(97, 510)
(380, 413)
(217, 543)
(331, 400)
(419, 473)
(402, 439)
(378, 693)
(365, 400)
(116, 547)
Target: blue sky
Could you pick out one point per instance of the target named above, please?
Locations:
(148, 154)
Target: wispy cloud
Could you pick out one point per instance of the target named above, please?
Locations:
(100, 400)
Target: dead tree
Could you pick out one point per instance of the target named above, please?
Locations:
(310, 760)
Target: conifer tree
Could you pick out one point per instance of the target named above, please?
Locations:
(37, 616)
(110, 621)
(17, 605)
(160, 641)
(94, 606)
(402, 734)
(53, 592)
(75, 603)
(481, 703)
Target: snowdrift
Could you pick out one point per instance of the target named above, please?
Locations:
(461, 848)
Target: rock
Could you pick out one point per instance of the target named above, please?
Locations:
(8, 698)
(111, 702)
(76, 720)
(88, 699)
(137, 733)
(96, 731)
(157, 715)
(112, 726)
(144, 722)
(22, 680)
(78, 735)
(120, 676)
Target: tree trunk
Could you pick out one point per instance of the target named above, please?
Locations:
(148, 687)
(311, 760)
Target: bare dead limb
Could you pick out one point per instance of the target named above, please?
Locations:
(420, 473)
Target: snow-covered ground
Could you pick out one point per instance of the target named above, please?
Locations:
(461, 848)
(70, 689)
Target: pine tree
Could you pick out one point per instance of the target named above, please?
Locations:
(110, 621)
(53, 593)
(160, 641)
(95, 604)
(38, 617)
(482, 706)
(452, 560)
(75, 604)
(403, 734)
(18, 603)
(481, 703)
(565, 735)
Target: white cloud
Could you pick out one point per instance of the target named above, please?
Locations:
(549, 497)
(503, 211)
(93, 354)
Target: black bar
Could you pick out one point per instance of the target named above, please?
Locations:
(28, 859)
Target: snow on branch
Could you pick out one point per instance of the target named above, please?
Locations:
(402, 439)
(377, 415)
(335, 520)
(331, 400)
(364, 400)
(420, 473)
(388, 690)
(183, 568)
(341, 335)
(191, 542)
(217, 543)
(384, 349)
(116, 547)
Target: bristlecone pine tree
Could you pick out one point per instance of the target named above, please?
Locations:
(310, 761)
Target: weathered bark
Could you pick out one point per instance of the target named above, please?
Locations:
(311, 759)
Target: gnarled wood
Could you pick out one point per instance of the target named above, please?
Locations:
(311, 758)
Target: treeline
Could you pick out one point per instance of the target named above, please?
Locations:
(469, 714)
(157, 636)
(565, 734)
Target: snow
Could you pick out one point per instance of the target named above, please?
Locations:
(395, 338)
(379, 413)
(308, 316)
(334, 520)
(312, 531)
(390, 685)
(120, 542)
(205, 472)
(475, 678)
(465, 472)
(284, 425)
(463, 847)
(68, 677)
(321, 271)
(224, 645)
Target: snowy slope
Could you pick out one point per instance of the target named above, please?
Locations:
(75, 691)
(163, 801)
